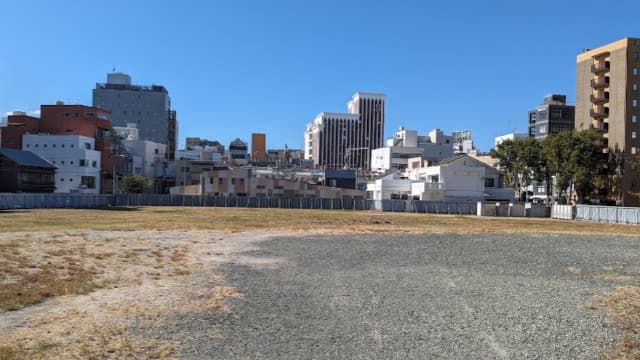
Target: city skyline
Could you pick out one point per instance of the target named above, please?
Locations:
(291, 63)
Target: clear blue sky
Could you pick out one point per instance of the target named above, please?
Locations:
(236, 67)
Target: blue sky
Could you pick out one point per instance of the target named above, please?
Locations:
(237, 67)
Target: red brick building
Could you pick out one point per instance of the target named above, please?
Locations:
(63, 119)
(17, 125)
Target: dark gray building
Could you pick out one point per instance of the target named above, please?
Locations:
(551, 117)
(147, 106)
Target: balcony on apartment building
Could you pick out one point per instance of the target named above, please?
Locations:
(599, 113)
(601, 67)
(600, 83)
(600, 126)
(600, 97)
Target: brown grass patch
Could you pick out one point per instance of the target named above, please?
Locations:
(242, 219)
(106, 323)
(46, 282)
(624, 304)
(25, 282)
(574, 270)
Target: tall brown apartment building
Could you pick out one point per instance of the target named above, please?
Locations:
(258, 146)
(607, 95)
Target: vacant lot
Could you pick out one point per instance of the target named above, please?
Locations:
(252, 283)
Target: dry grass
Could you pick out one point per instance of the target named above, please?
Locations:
(24, 282)
(242, 219)
(624, 303)
(91, 280)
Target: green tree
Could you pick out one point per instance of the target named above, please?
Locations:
(521, 162)
(572, 157)
(136, 184)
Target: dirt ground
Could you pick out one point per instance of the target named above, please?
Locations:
(104, 283)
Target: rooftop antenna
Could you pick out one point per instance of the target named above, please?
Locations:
(114, 68)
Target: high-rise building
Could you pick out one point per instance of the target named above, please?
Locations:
(607, 95)
(462, 142)
(551, 117)
(149, 107)
(238, 152)
(338, 140)
(258, 146)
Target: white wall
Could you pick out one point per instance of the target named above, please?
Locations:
(150, 156)
(68, 153)
(381, 159)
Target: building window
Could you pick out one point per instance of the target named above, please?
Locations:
(62, 146)
(94, 163)
(89, 182)
(82, 162)
(61, 179)
(634, 87)
(542, 130)
(634, 102)
(71, 179)
(28, 145)
(634, 119)
(44, 145)
(71, 145)
(489, 182)
(62, 162)
(635, 71)
(71, 162)
(36, 145)
(87, 146)
(633, 150)
(53, 145)
(635, 55)
(634, 135)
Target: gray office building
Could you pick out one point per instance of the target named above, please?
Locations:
(147, 106)
(551, 117)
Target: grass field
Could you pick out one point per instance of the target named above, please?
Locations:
(241, 219)
(90, 263)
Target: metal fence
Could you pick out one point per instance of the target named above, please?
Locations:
(513, 210)
(565, 212)
(346, 203)
(53, 201)
(80, 201)
(426, 207)
(603, 214)
(608, 214)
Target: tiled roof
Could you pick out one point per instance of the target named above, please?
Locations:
(26, 158)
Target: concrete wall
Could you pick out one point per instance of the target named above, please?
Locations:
(68, 153)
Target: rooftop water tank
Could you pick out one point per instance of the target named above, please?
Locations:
(118, 78)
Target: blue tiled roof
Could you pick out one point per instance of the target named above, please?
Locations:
(26, 158)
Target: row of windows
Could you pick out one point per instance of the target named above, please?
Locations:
(54, 145)
(101, 116)
(86, 145)
(124, 112)
(81, 163)
(88, 181)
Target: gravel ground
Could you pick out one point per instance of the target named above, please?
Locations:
(414, 297)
